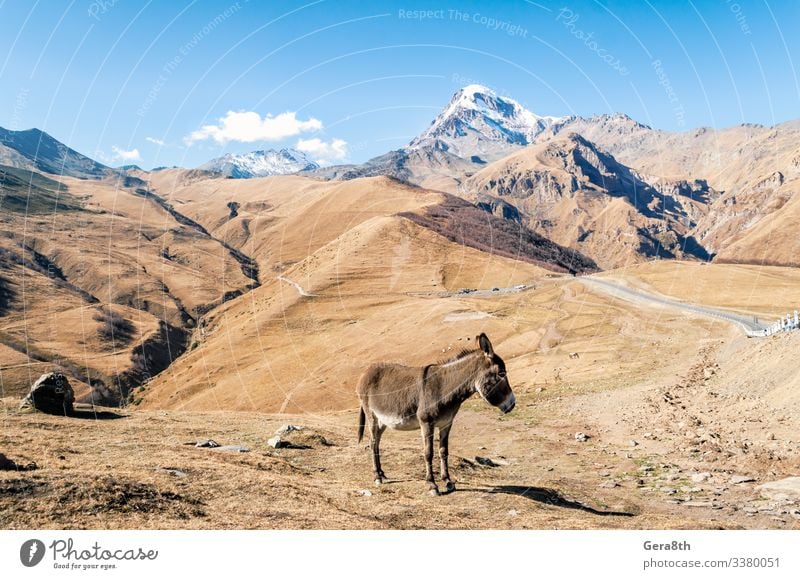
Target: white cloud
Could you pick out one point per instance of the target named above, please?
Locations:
(322, 152)
(248, 127)
(123, 155)
(155, 141)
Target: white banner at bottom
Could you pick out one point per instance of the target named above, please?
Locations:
(390, 554)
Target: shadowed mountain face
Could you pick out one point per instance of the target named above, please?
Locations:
(36, 150)
(28, 192)
(581, 197)
(468, 225)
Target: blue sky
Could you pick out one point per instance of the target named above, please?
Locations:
(170, 83)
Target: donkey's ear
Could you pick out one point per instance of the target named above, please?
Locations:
(485, 344)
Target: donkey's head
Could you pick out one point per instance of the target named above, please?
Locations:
(492, 382)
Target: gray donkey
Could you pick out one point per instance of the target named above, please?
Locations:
(407, 398)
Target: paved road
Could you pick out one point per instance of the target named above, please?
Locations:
(747, 323)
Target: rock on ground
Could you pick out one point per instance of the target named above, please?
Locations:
(52, 394)
(784, 489)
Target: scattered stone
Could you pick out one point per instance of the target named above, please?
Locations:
(646, 468)
(668, 490)
(740, 479)
(697, 503)
(365, 493)
(633, 443)
(581, 436)
(277, 442)
(609, 484)
(787, 489)
(206, 443)
(549, 469)
(286, 429)
(513, 512)
(233, 448)
(486, 462)
(174, 472)
(700, 477)
(51, 394)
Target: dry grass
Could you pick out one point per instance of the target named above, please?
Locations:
(137, 472)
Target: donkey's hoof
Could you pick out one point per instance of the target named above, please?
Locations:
(434, 492)
(449, 487)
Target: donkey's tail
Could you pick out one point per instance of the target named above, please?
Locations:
(362, 420)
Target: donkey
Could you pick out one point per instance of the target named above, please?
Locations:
(408, 398)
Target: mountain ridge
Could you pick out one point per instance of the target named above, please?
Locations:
(260, 163)
(34, 149)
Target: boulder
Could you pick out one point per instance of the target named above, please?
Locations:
(52, 394)
(277, 442)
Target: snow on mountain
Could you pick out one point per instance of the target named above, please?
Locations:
(479, 123)
(260, 164)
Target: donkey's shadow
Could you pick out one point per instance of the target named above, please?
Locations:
(548, 497)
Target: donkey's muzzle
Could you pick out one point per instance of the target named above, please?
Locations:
(509, 404)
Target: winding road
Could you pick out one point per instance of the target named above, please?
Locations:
(751, 327)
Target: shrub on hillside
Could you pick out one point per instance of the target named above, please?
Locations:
(113, 327)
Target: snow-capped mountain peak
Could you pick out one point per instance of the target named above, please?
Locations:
(479, 121)
(260, 163)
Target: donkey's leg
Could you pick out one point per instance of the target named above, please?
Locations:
(377, 432)
(444, 444)
(427, 440)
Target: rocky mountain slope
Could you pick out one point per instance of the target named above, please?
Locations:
(755, 169)
(694, 194)
(37, 151)
(582, 197)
